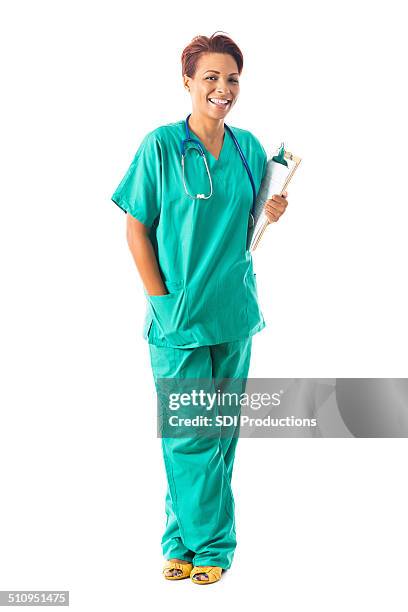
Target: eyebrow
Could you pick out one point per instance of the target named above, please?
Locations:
(216, 71)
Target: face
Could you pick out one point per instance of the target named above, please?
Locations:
(216, 79)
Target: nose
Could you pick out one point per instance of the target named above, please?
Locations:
(222, 86)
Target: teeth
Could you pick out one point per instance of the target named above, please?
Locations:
(219, 101)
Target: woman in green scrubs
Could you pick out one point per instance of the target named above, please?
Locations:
(200, 287)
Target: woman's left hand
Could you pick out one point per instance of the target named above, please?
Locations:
(275, 207)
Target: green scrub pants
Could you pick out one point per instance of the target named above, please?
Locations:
(199, 505)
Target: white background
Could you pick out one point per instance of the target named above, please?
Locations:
(321, 523)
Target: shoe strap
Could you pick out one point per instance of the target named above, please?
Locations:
(176, 565)
(210, 570)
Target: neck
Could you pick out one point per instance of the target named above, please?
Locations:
(206, 128)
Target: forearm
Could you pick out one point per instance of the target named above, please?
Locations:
(145, 259)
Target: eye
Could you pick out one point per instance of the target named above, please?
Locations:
(214, 77)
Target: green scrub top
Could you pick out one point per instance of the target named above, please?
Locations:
(200, 245)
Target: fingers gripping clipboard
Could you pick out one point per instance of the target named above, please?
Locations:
(279, 172)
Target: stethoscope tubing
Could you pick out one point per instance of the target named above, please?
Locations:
(188, 138)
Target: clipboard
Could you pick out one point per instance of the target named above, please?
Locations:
(279, 172)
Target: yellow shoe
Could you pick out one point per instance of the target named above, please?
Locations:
(184, 570)
(213, 573)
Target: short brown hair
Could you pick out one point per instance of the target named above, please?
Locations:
(216, 43)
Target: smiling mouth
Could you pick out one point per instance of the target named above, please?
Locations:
(220, 102)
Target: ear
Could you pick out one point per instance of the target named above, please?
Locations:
(186, 82)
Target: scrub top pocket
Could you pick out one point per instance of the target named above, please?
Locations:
(169, 314)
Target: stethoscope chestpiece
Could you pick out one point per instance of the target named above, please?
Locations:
(199, 196)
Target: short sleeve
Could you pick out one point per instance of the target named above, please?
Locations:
(265, 163)
(261, 159)
(264, 159)
(139, 192)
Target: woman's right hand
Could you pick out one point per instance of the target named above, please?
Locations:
(157, 294)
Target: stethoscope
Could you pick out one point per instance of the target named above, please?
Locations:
(197, 144)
